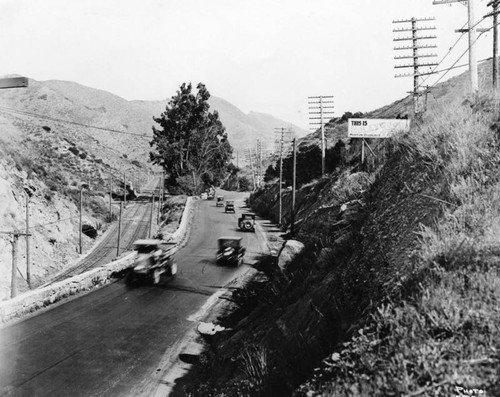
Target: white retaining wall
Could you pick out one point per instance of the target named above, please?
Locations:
(37, 299)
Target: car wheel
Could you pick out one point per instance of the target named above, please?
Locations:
(247, 225)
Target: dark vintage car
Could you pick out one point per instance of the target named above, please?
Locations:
(247, 222)
(229, 206)
(152, 259)
(230, 251)
(220, 201)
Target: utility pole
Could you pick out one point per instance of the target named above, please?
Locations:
(124, 189)
(321, 108)
(471, 6)
(110, 198)
(258, 155)
(415, 55)
(294, 178)
(28, 262)
(119, 229)
(494, 13)
(151, 215)
(281, 148)
(160, 194)
(81, 226)
(13, 281)
(250, 159)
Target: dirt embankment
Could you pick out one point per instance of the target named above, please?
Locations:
(379, 247)
(356, 241)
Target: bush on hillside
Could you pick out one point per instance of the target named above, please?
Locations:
(438, 332)
(309, 165)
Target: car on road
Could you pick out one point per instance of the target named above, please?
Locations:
(230, 251)
(152, 259)
(204, 196)
(220, 201)
(246, 222)
(229, 206)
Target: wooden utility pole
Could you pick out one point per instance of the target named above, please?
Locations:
(415, 55)
(321, 109)
(110, 198)
(471, 7)
(282, 149)
(494, 13)
(13, 283)
(119, 229)
(124, 189)
(160, 194)
(250, 159)
(294, 184)
(81, 226)
(258, 155)
(280, 213)
(28, 261)
(151, 215)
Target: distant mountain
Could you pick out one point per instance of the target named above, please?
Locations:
(243, 129)
(80, 104)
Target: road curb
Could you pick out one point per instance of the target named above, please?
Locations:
(40, 298)
(37, 299)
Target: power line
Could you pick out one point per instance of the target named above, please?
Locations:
(461, 56)
(446, 55)
(43, 117)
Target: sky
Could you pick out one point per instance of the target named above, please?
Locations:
(261, 55)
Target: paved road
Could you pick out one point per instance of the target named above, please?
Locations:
(111, 341)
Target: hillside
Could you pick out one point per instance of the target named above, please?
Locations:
(448, 93)
(47, 159)
(397, 291)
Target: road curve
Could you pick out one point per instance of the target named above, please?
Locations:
(109, 341)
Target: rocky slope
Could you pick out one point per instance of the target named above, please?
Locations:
(396, 292)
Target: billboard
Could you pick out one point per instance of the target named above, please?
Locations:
(376, 128)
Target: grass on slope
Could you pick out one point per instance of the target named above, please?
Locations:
(440, 335)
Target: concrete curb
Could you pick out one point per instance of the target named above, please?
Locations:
(40, 298)
(180, 236)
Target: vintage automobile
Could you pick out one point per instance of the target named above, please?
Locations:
(230, 251)
(204, 196)
(220, 201)
(152, 259)
(229, 206)
(247, 222)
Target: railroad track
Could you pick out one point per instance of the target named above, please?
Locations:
(135, 225)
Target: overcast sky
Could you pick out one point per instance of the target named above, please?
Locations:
(260, 55)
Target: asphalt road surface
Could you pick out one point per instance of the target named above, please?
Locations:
(110, 342)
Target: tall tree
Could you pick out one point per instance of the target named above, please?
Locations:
(191, 143)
